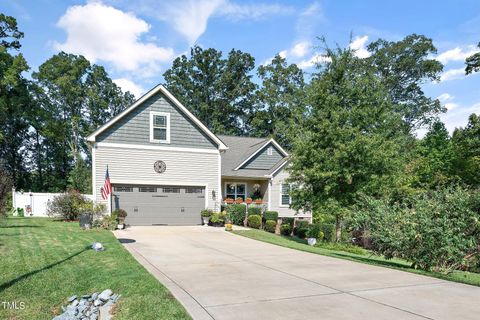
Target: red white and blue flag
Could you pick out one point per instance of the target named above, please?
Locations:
(107, 187)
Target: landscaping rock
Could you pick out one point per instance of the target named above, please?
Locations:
(90, 307)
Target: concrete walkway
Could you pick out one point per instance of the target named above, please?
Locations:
(218, 275)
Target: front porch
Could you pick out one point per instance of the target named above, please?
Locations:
(249, 191)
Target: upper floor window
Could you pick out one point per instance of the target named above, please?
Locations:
(285, 198)
(159, 127)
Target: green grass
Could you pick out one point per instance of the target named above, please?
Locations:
(43, 262)
(354, 254)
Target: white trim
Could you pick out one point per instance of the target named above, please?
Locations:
(269, 190)
(157, 182)
(161, 148)
(152, 117)
(281, 205)
(94, 173)
(152, 92)
(285, 154)
(276, 170)
(235, 182)
(219, 196)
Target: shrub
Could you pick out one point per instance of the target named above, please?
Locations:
(5, 190)
(206, 213)
(328, 230)
(254, 221)
(315, 231)
(69, 205)
(270, 215)
(270, 225)
(218, 218)
(301, 228)
(254, 211)
(20, 212)
(289, 221)
(286, 229)
(437, 230)
(119, 215)
(236, 213)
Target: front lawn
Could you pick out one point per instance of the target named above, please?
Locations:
(43, 262)
(354, 254)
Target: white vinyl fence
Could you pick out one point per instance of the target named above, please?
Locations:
(35, 204)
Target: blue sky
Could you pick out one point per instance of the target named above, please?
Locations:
(137, 40)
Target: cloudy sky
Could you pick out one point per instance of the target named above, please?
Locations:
(137, 40)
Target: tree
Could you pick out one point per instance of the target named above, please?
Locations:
(218, 91)
(14, 102)
(403, 66)
(466, 144)
(72, 97)
(350, 142)
(473, 62)
(280, 99)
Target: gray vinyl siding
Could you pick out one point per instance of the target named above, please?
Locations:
(134, 128)
(264, 161)
(275, 204)
(135, 166)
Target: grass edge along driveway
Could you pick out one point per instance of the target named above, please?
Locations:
(43, 262)
(366, 257)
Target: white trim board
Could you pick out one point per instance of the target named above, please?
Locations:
(276, 170)
(161, 148)
(149, 94)
(285, 154)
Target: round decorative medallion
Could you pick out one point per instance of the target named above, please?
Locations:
(159, 166)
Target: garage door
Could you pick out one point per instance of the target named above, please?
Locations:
(160, 205)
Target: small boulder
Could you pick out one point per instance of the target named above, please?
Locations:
(72, 298)
(105, 295)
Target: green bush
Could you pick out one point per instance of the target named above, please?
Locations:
(270, 225)
(286, 229)
(119, 215)
(438, 230)
(289, 221)
(69, 206)
(206, 213)
(301, 228)
(270, 215)
(315, 231)
(20, 212)
(236, 213)
(254, 210)
(254, 221)
(218, 218)
(328, 230)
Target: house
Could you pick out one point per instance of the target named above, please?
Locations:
(165, 166)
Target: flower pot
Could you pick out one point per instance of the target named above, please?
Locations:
(205, 220)
(249, 201)
(120, 226)
(239, 201)
(229, 201)
(312, 241)
(258, 201)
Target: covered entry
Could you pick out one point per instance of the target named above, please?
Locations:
(159, 204)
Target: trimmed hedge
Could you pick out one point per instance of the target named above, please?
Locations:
(254, 221)
(328, 230)
(236, 213)
(254, 211)
(315, 231)
(286, 229)
(270, 225)
(301, 229)
(289, 221)
(270, 215)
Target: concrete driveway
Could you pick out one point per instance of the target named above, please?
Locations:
(218, 275)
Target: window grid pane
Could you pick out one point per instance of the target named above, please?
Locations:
(160, 121)
(159, 134)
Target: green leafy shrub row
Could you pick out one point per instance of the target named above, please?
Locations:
(254, 210)
(71, 205)
(236, 212)
(270, 226)
(206, 213)
(270, 215)
(286, 229)
(218, 218)
(301, 229)
(254, 221)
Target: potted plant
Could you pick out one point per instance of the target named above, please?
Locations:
(314, 233)
(218, 219)
(239, 200)
(249, 200)
(229, 200)
(206, 214)
(258, 201)
(120, 215)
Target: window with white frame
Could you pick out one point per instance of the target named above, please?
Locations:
(160, 127)
(236, 190)
(285, 198)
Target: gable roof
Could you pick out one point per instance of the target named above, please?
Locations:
(159, 89)
(242, 149)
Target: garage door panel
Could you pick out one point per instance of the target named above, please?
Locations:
(163, 205)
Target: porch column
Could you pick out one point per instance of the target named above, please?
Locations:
(269, 191)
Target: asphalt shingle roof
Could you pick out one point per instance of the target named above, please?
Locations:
(239, 149)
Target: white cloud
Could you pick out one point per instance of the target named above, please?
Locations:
(103, 33)
(456, 54)
(300, 49)
(458, 117)
(128, 85)
(445, 97)
(308, 19)
(358, 45)
(312, 61)
(190, 17)
(452, 74)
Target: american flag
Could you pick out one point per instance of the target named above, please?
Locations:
(107, 187)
